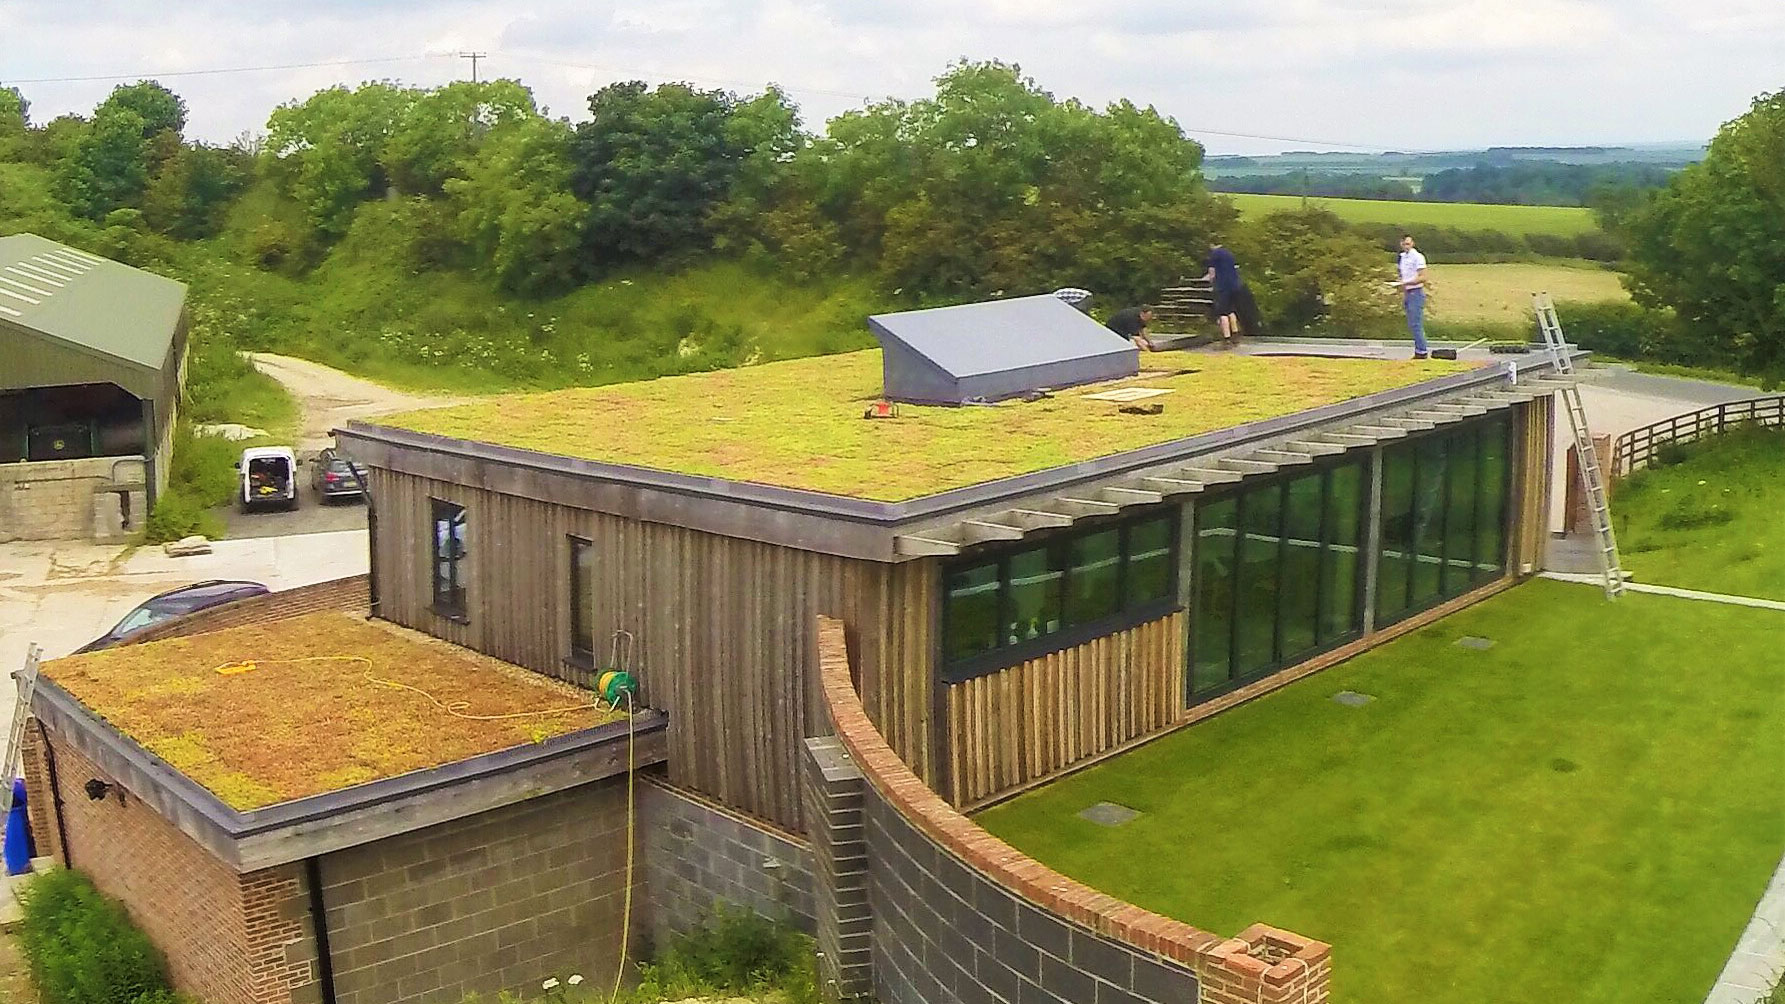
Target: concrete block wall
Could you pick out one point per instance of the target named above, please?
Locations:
(498, 901)
(699, 855)
(228, 938)
(835, 796)
(54, 499)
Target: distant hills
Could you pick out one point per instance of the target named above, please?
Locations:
(1398, 164)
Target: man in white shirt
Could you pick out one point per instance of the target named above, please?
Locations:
(1413, 293)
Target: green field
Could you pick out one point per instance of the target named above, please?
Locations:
(1585, 812)
(1501, 293)
(1564, 221)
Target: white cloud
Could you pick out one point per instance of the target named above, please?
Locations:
(1438, 73)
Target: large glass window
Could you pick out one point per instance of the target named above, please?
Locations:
(448, 558)
(1277, 574)
(582, 598)
(1444, 499)
(1026, 601)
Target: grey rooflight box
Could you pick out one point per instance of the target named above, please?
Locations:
(995, 350)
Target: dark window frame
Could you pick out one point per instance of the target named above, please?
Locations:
(1483, 428)
(1126, 617)
(1324, 641)
(581, 656)
(450, 594)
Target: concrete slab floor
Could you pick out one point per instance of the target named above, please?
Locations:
(62, 595)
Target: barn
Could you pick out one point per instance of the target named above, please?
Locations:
(95, 356)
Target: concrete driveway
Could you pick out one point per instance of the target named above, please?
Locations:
(62, 595)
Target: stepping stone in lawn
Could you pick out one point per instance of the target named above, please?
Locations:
(1352, 699)
(1476, 644)
(1108, 814)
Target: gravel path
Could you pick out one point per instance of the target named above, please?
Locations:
(329, 398)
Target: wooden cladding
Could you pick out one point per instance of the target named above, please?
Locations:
(1534, 444)
(1038, 717)
(723, 628)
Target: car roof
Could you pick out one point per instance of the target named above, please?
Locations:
(208, 587)
(266, 452)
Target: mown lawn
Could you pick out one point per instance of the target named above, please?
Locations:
(1586, 812)
(1502, 292)
(1566, 221)
(1710, 518)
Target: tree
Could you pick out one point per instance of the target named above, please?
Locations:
(328, 150)
(187, 198)
(1306, 267)
(442, 130)
(15, 122)
(654, 164)
(514, 211)
(159, 109)
(1708, 244)
(107, 169)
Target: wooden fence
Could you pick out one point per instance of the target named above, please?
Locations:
(1637, 447)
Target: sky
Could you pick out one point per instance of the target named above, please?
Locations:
(1239, 77)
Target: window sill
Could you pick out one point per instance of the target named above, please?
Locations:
(456, 616)
(580, 661)
(1034, 648)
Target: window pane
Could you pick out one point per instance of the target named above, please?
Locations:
(1149, 561)
(1096, 562)
(1397, 532)
(1490, 542)
(1034, 595)
(972, 612)
(449, 551)
(1301, 562)
(1459, 519)
(1428, 518)
(1212, 636)
(1339, 613)
(1255, 635)
(582, 596)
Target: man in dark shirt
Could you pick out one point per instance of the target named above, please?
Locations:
(1224, 272)
(1131, 323)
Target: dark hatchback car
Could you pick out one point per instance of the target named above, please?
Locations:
(334, 476)
(174, 603)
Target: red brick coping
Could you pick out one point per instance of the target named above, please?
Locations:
(1262, 964)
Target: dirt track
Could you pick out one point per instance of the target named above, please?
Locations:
(328, 398)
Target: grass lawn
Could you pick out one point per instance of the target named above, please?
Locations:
(1502, 293)
(1586, 812)
(799, 423)
(1566, 221)
(1711, 520)
(331, 700)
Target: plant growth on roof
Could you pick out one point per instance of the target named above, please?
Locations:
(271, 712)
(798, 424)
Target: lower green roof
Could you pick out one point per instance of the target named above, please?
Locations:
(798, 424)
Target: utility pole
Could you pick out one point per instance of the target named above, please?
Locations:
(474, 57)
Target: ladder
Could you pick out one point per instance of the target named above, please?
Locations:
(21, 714)
(1605, 542)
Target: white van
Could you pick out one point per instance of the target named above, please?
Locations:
(269, 477)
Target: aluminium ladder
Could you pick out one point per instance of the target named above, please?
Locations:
(1592, 477)
(21, 713)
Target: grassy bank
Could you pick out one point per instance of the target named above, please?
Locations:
(1564, 221)
(1587, 811)
(1707, 516)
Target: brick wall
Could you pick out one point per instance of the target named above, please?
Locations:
(501, 900)
(699, 855)
(229, 939)
(350, 593)
(957, 915)
(53, 499)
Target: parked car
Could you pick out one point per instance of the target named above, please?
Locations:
(335, 476)
(175, 603)
(269, 477)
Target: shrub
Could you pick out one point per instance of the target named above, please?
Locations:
(83, 949)
(734, 952)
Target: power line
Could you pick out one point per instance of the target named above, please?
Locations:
(474, 57)
(619, 72)
(228, 69)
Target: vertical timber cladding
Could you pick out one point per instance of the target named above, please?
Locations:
(1037, 717)
(1534, 430)
(722, 628)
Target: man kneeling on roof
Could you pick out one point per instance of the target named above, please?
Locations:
(1131, 323)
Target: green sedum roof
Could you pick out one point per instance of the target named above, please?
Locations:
(92, 303)
(798, 424)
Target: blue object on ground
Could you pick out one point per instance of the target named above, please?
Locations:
(17, 845)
